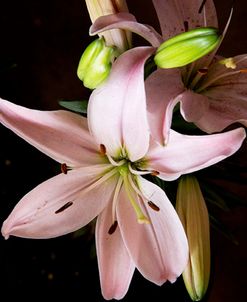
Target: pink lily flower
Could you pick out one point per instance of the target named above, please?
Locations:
(212, 91)
(102, 165)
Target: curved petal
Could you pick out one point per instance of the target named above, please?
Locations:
(162, 88)
(116, 268)
(186, 154)
(126, 21)
(62, 135)
(193, 105)
(159, 249)
(226, 93)
(60, 205)
(117, 110)
(181, 15)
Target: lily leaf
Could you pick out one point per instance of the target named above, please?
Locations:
(76, 106)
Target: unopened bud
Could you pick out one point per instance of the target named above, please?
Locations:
(95, 64)
(193, 214)
(119, 38)
(187, 47)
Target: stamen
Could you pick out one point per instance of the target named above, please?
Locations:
(186, 26)
(153, 206)
(150, 203)
(229, 63)
(64, 207)
(203, 71)
(141, 218)
(213, 80)
(114, 163)
(102, 149)
(155, 173)
(243, 70)
(201, 6)
(113, 227)
(138, 172)
(64, 168)
(115, 198)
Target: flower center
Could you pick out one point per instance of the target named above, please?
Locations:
(128, 181)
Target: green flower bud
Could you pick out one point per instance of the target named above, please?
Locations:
(187, 47)
(193, 213)
(95, 64)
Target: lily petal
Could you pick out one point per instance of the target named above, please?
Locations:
(120, 105)
(126, 21)
(193, 105)
(62, 135)
(162, 88)
(186, 154)
(60, 205)
(226, 95)
(181, 15)
(116, 268)
(159, 249)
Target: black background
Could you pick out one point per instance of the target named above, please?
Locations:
(41, 43)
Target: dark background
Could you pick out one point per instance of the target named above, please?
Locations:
(41, 43)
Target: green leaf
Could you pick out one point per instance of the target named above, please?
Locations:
(76, 106)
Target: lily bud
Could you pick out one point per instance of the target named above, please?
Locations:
(95, 64)
(119, 38)
(187, 47)
(193, 214)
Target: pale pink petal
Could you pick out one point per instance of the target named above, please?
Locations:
(126, 21)
(226, 93)
(180, 15)
(159, 249)
(185, 154)
(116, 268)
(162, 88)
(60, 205)
(117, 110)
(193, 105)
(62, 135)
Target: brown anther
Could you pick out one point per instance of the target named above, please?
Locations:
(243, 70)
(113, 227)
(186, 26)
(102, 149)
(202, 71)
(153, 206)
(201, 6)
(64, 207)
(155, 173)
(64, 168)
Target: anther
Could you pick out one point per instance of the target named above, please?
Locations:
(243, 70)
(153, 206)
(201, 6)
(155, 173)
(64, 207)
(186, 26)
(202, 71)
(102, 149)
(113, 227)
(64, 168)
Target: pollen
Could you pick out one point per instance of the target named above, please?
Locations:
(153, 206)
(64, 207)
(155, 173)
(102, 149)
(113, 227)
(229, 63)
(64, 168)
(202, 71)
